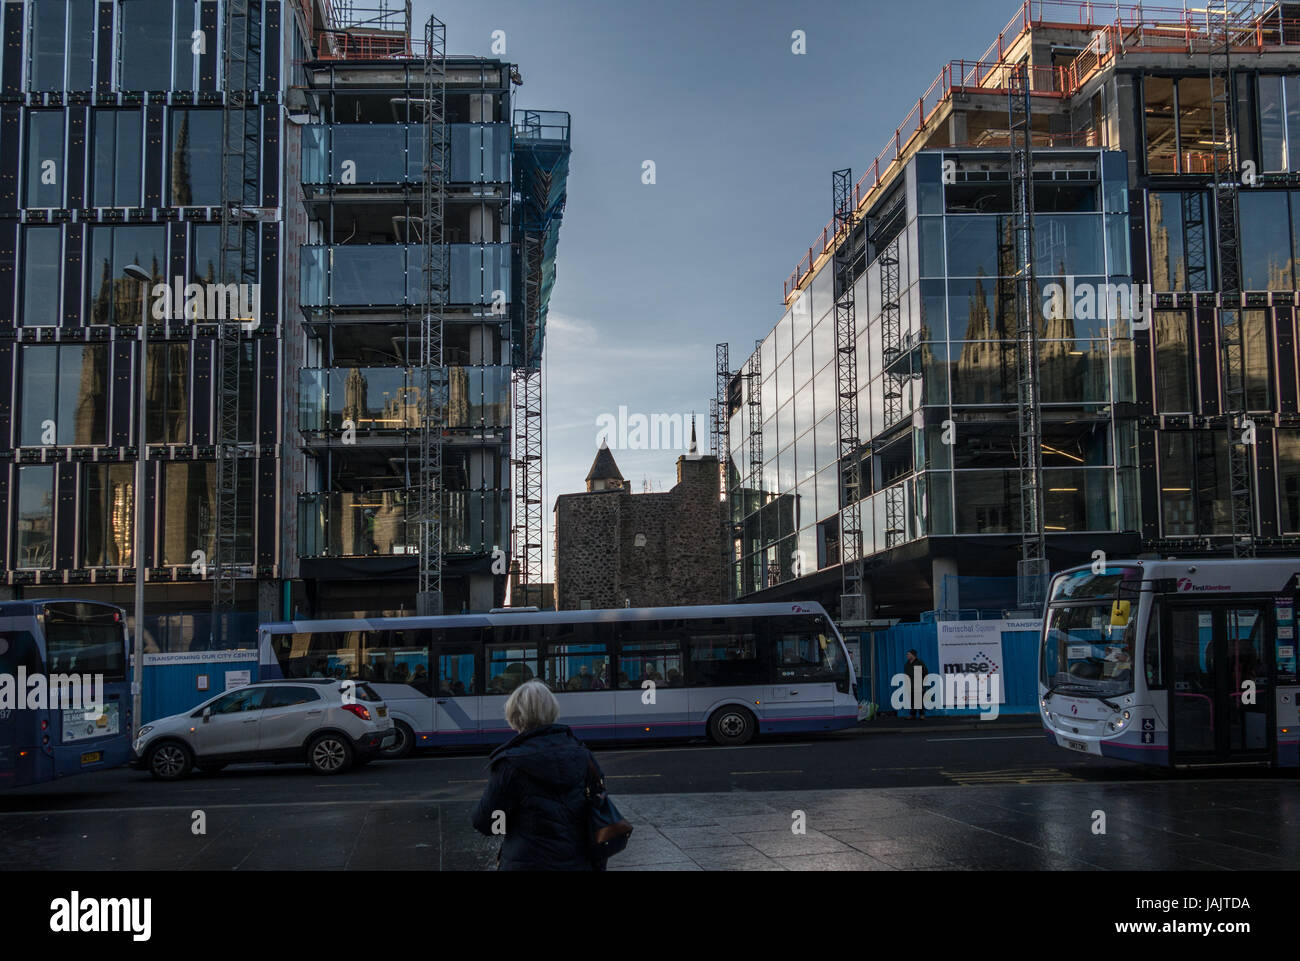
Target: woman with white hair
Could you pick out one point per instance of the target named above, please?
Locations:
(537, 792)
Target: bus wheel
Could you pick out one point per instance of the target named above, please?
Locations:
(329, 754)
(731, 725)
(170, 761)
(404, 744)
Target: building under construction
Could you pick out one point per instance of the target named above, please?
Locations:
(353, 433)
(1055, 316)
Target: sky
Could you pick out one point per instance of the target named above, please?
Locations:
(743, 133)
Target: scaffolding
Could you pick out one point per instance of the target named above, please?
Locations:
(1032, 567)
(852, 606)
(240, 153)
(722, 445)
(1222, 23)
(541, 177)
(433, 373)
(754, 401)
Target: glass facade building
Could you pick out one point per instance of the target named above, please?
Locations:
(111, 121)
(1133, 433)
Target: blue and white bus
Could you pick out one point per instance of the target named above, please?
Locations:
(729, 672)
(56, 640)
(1174, 662)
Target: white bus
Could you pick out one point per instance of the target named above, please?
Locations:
(1174, 662)
(728, 671)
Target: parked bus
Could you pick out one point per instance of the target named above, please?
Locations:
(60, 640)
(1174, 662)
(728, 672)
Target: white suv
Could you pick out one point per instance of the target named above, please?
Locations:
(330, 724)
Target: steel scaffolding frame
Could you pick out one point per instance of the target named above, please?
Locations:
(1032, 567)
(722, 444)
(1220, 22)
(240, 142)
(754, 403)
(528, 532)
(846, 381)
(433, 373)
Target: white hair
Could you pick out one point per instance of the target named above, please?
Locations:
(531, 705)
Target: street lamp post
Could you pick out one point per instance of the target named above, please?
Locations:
(137, 272)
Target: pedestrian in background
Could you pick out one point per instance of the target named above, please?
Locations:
(539, 785)
(916, 680)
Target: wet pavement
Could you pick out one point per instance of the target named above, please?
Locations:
(1163, 825)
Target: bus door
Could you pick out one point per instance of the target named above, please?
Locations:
(457, 683)
(1220, 654)
(802, 689)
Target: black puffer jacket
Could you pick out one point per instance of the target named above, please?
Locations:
(539, 781)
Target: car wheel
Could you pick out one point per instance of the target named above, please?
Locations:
(212, 768)
(404, 744)
(329, 754)
(732, 725)
(170, 761)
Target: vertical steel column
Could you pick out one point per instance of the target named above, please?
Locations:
(1219, 23)
(846, 380)
(437, 289)
(722, 441)
(240, 153)
(755, 444)
(1032, 567)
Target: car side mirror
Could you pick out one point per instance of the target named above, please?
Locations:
(207, 714)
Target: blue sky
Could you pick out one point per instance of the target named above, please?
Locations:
(744, 135)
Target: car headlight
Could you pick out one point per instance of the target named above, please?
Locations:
(142, 732)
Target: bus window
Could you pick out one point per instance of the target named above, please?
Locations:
(574, 660)
(650, 660)
(729, 656)
(802, 650)
(81, 639)
(456, 673)
(18, 650)
(508, 667)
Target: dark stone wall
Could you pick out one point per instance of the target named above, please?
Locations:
(597, 559)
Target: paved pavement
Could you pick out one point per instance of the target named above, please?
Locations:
(1172, 826)
(933, 796)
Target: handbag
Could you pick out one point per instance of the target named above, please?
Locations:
(607, 832)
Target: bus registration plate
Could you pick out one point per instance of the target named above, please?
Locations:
(90, 757)
(1076, 746)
